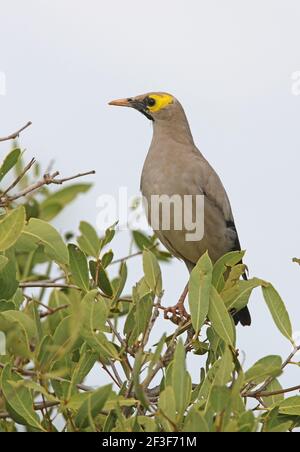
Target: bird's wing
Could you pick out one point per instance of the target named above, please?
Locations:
(217, 210)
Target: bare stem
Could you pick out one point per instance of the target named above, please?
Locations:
(47, 179)
(16, 134)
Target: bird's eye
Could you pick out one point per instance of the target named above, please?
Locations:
(151, 102)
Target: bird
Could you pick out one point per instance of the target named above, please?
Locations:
(174, 166)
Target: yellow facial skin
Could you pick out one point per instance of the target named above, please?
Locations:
(161, 101)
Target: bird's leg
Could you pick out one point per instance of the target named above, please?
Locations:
(178, 309)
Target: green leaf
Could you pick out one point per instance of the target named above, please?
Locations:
(195, 422)
(95, 312)
(19, 401)
(237, 296)
(219, 398)
(8, 281)
(278, 311)
(143, 313)
(247, 422)
(11, 227)
(3, 262)
(43, 353)
(167, 409)
(229, 260)
(273, 400)
(218, 375)
(79, 267)
(57, 299)
(157, 354)
(141, 240)
(60, 199)
(107, 258)
(89, 241)
(120, 282)
(199, 291)
(9, 162)
(290, 406)
(20, 331)
(181, 381)
(92, 406)
(152, 272)
(220, 319)
(101, 278)
(66, 335)
(270, 366)
(39, 232)
(82, 368)
(139, 391)
(108, 236)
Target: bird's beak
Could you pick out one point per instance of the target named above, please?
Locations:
(121, 103)
(136, 103)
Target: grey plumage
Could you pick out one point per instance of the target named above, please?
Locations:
(174, 166)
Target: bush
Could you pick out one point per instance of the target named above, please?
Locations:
(55, 338)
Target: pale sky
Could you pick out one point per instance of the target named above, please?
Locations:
(229, 62)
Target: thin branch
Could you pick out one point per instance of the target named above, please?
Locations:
(130, 256)
(32, 373)
(53, 311)
(47, 285)
(16, 134)
(150, 326)
(271, 379)
(36, 407)
(162, 362)
(20, 177)
(118, 336)
(272, 393)
(47, 179)
(114, 379)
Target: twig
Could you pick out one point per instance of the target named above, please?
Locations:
(262, 389)
(257, 395)
(37, 407)
(20, 177)
(163, 360)
(53, 311)
(46, 285)
(47, 179)
(116, 374)
(150, 326)
(114, 379)
(16, 134)
(130, 256)
(118, 336)
(32, 373)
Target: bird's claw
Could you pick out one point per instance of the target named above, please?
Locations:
(178, 313)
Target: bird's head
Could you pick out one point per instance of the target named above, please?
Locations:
(155, 106)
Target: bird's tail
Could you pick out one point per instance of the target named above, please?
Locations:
(243, 316)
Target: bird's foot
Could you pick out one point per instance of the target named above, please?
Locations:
(178, 313)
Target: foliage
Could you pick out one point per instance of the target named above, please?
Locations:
(79, 318)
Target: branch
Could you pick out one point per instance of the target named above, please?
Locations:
(47, 285)
(256, 395)
(261, 391)
(130, 256)
(32, 373)
(47, 179)
(53, 311)
(36, 407)
(163, 360)
(16, 134)
(20, 177)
